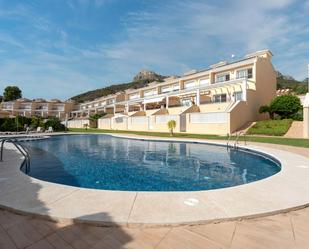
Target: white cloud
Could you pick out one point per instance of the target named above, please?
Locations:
(170, 38)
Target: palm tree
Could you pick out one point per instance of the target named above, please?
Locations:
(171, 126)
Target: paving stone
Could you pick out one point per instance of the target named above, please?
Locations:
(271, 232)
(5, 240)
(42, 244)
(221, 233)
(179, 238)
(23, 234)
(57, 242)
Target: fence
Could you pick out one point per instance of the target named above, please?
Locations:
(208, 118)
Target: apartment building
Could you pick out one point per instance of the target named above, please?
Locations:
(217, 100)
(37, 107)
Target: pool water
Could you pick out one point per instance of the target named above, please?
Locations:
(111, 163)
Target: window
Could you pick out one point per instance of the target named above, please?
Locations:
(204, 82)
(244, 73)
(150, 92)
(134, 96)
(189, 84)
(186, 102)
(219, 98)
(119, 120)
(222, 77)
(110, 101)
(238, 96)
(166, 89)
(176, 87)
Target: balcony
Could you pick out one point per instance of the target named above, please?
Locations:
(7, 107)
(42, 108)
(59, 109)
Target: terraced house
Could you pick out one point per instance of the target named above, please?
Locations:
(217, 100)
(37, 107)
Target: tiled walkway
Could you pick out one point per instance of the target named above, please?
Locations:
(290, 230)
(280, 231)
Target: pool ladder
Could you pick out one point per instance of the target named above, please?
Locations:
(236, 141)
(22, 149)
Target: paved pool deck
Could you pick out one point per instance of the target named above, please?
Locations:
(285, 191)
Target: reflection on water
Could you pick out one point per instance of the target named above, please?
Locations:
(105, 162)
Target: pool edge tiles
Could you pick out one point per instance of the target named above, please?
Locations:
(282, 192)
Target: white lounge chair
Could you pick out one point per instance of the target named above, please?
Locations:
(39, 129)
(50, 129)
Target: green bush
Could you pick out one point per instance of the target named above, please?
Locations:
(298, 116)
(36, 122)
(10, 124)
(55, 123)
(266, 109)
(271, 127)
(286, 106)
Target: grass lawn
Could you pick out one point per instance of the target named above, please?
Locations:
(271, 127)
(272, 140)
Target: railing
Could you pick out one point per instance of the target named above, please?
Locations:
(22, 149)
(237, 136)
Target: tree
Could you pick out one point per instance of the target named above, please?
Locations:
(286, 106)
(36, 121)
(1, 98)
(55, 123)
(11, 93)
(171, 126)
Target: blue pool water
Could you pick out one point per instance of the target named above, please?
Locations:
(106, 162)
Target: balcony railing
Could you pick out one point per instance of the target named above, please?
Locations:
(191, 90)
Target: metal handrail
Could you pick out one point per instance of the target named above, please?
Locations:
(22, 149)
(237, 138)
(228, 139)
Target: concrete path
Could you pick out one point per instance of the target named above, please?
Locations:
(280, 231)
(296, 130)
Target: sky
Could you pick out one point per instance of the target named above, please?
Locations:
(60, 48)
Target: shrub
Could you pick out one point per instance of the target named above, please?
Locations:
(171, 126)
(55, 123)
(36, 122)
(266, 109)
(286, 106)
(10, 124)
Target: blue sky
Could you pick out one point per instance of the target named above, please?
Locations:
(60, 48)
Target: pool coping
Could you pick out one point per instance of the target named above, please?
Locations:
(281, 192)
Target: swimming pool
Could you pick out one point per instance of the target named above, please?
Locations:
(113, 163)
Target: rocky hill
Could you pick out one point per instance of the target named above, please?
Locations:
(143, 78)
(286, 81)
(146, 75)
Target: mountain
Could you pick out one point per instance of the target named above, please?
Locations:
(142, 79)
(287, 81)
(146, 75)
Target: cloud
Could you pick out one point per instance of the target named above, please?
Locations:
(176, 36)
(59, 59)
